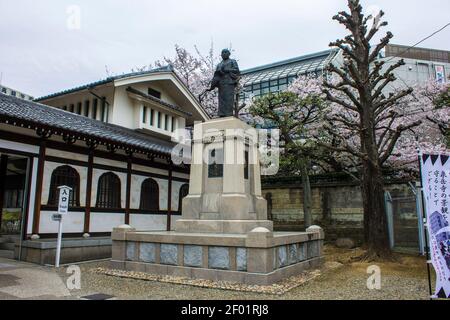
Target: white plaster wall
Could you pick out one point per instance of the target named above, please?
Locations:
(73, 222)
(122, 112)
(19, 146)
(49, 167)
(181, 175)
(144, 222)
(123, 189)
(111, 163)
(137, 167)
(163, 193)
(174, 219)
(176, 186)
(106, 222)
(136, 183)
(66, 155)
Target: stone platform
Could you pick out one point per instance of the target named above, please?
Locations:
(257, 258)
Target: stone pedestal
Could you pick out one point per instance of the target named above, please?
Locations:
(225, 197)
(224, 233)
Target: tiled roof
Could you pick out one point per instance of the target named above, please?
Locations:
(152, 98)
(34, 115)
(105, 81)
(291, 67)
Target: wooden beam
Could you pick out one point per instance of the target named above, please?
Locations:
(128, 195)
(87, 213)
(169, 200)
(38, 194)
(3, 171)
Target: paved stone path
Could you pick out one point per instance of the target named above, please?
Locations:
(20, 280)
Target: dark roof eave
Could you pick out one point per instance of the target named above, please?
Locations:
(103, 82)
(27, 114)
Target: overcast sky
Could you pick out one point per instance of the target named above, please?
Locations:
(42, 50)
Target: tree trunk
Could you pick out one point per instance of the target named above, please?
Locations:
(307, 196)
(375, 221)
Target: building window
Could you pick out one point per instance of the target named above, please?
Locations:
(152, 117)
(94, 109)
(144, 114)
(166, 123)
(79, 107)
(87, 105)
(246, 165)
(215, 168)
(4, 90)
(71, 108)
(172, 124)
(13, 93)
(184, 192)
(150, 196)
(154, 93)
(64, 108)
(108, 192)
(103, 115)
(65, 176)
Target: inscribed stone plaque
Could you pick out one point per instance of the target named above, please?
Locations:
(193, 256)
(169, 254)
(302, 252)
(219, 258)
(147, 252)
(293, 254)
(131, 248)
(282, 257)
(241, 259)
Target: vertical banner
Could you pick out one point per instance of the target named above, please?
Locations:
(436, 188)
(440, 74)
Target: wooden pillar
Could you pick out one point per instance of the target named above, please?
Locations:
(26, 210)
(169, 200)
(87, 214)
(3, 171)
(38, 194)
(128, 199)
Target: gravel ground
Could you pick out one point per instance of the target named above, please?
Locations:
(405, 279)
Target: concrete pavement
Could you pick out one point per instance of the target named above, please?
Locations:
(19, 280)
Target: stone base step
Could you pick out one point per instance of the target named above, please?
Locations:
(7, 246)
(7, 254)
(9, 238)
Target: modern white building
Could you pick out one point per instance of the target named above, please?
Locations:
(421, 65)
(14, 93)
(110, 141)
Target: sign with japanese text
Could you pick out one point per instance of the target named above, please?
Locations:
(64, 197)
(436, 180)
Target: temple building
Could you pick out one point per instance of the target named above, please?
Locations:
(111, 142)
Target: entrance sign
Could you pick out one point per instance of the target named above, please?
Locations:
(436, 188)
(63, 209)
(64, 197)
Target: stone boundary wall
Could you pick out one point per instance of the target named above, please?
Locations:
(337, 207)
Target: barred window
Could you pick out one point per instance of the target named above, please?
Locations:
(149, 195)
(65, 176)
(184, 191)
(108, 192)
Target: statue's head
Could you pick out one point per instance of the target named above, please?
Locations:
(226, 54)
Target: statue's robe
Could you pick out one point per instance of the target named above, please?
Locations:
(226, 79)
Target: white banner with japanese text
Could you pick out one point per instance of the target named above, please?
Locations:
(436, 188)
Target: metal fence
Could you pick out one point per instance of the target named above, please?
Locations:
(405, 221)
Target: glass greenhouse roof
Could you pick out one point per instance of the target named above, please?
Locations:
(288, 68)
